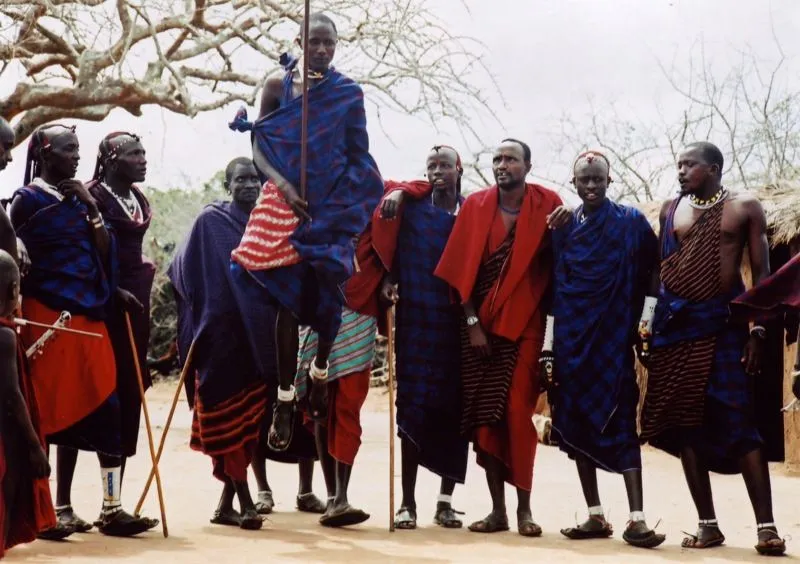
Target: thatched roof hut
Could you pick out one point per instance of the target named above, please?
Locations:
(781, 204)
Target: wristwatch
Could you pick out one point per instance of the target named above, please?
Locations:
(472, 321)
(759, 332)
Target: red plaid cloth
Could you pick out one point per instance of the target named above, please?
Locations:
(266, 243)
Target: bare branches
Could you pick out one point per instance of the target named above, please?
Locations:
(750, 113)
(85, 57)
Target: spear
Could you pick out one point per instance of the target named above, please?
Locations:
(304, 108)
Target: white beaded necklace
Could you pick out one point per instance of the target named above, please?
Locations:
(130, 205)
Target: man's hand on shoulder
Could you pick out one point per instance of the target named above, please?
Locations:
(559, 217)
(391, 204)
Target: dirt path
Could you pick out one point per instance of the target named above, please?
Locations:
(288, 536)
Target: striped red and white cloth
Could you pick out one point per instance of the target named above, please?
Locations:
(266, 243)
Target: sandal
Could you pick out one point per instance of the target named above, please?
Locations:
(769, 543)
(639, 535)
(527, 528)
(309, 503)
(56, 533)
(122, 524)
(447, 517)
(405, 519)
(250, 520)
(265, 503)
(230, 517)
(492, 523)
(282, 429)
(66, 516)
(708, 536)
(595, 527)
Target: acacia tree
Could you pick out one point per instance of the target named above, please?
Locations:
(81, 59)
(750, 110)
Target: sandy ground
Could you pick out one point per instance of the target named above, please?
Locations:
(288, 536)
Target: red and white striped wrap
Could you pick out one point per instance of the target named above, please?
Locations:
(265, 244)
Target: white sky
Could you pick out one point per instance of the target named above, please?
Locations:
(549, 58)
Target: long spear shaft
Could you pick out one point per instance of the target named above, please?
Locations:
(304, 110)
(24, 322)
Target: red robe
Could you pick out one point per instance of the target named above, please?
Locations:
(32, 511)
(514, 312)
(348, 394)
(776, 297)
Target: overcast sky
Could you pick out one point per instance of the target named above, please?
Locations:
(549, 58)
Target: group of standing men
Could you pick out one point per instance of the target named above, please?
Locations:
(78, 248)
(497, 295)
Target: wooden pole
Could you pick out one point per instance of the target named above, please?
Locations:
(304, 107)
(390, 362)
(146, 413)
(186, 368)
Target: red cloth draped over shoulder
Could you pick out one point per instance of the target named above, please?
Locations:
(776, 297)
(33, 508)
(375, 251)
(524, 281)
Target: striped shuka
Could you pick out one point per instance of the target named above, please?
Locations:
(486, 381)
(229, 430)
(353, 350)
(679, 372)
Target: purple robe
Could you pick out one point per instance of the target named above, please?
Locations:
(136, 274)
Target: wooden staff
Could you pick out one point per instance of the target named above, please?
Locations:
(304, 106)
(140, 379)
(186, 367)
(390, 361)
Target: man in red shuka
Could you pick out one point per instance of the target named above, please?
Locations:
(498, 260)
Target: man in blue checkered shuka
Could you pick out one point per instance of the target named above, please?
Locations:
(604, 258)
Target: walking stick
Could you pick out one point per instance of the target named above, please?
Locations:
(147, 425)
(390, 361)
(186, 367)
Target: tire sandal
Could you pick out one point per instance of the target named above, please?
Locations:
(405, 519)
(265, 503)
(769, 543)
(490, 524)
(309, 503)
(283, 412)
(528, 528)
(56, 533)
(447, 517)
(713, 536)
(66, 516)
(595, 527)
(639, 535)
(230, 518)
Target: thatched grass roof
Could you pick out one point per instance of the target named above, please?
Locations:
(781, 203)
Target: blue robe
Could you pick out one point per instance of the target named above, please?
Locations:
(428, 343)
(220, 307)
(603, 267)
(344, 186)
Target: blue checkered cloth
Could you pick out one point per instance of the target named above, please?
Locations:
(428, 344)
(344, 187)
(67, 272)
(602, 269)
